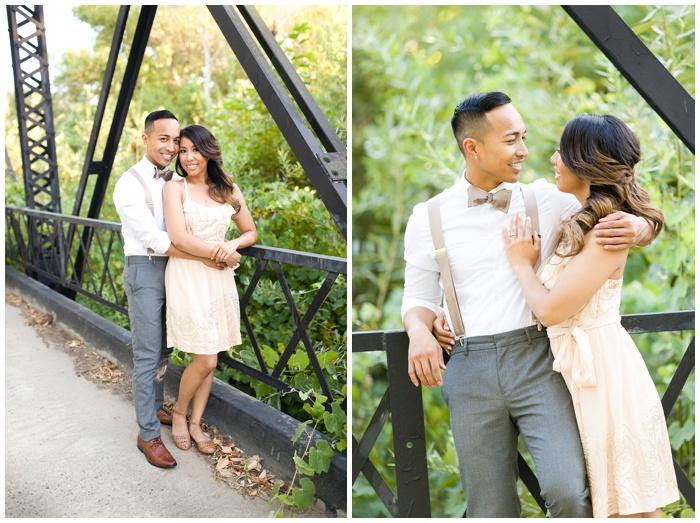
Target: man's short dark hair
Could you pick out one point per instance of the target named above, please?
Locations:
(157, 115)
(469, 119)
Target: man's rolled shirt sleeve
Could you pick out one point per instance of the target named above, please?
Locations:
(130, 202)
(422, 276)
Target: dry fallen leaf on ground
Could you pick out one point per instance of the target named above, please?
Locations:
(41, 319)
(14, 299)
(253, 463)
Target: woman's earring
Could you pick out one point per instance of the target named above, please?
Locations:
(475, 157)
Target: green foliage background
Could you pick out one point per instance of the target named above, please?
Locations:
(411, 66)
(190, 69)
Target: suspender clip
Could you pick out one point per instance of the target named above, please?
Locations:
(461, 339)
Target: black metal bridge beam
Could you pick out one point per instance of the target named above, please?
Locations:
(90, 166)
(103, 168)
(327, 169)
(30, 65)
(639, 66)
(297, 88)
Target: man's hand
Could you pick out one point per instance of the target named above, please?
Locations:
(425, 362)
(213, 264)
(620, 230)
(441, 330)
(233, 260)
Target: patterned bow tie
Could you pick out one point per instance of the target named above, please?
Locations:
(500, 199)
(166, 174)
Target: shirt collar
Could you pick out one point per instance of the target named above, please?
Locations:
(464, 184)
(149, 168)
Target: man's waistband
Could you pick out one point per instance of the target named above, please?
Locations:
(147, 258)
(502, 339)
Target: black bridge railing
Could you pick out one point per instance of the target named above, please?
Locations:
(402, 402)
(75, 238)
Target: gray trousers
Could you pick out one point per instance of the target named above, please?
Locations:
(144, 283)
(499, 386)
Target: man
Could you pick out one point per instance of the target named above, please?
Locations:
(146, 251)
(500, 381)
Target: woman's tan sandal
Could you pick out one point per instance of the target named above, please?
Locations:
(183, 442)
(206, 445)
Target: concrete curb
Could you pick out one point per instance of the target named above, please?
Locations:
(255, 427)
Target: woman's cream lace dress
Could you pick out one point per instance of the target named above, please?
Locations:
(203, 311)
(618, 410)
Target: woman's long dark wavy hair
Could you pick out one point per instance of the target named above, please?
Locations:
(603, 151)
(221, 186)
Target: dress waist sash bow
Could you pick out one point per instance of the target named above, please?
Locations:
(575, 354)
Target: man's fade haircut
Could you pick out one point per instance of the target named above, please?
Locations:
(157, 115)
(469, 119)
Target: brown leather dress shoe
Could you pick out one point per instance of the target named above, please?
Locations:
(156, 453)
(165, 417)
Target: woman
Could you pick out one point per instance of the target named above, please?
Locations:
(203, 316)
(619, 414)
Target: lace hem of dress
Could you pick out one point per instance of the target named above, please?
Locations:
(627, 476)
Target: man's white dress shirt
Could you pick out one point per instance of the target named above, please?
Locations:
(141, 229)
(489, 294)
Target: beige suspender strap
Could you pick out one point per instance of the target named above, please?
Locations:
(149, 198)
(532, 213)
(444, 265)
(441, 252)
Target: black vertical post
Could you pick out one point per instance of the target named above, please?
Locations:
(412, 488)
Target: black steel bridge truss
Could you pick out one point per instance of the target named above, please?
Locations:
(102, 285)
(402, 402)
(55, 248)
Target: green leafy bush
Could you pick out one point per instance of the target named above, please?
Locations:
(411, 66)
